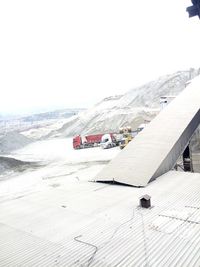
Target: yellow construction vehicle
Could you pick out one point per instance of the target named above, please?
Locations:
(127, 136)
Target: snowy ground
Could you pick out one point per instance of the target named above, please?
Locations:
(58, 163)
(41, 129)
(52, 216)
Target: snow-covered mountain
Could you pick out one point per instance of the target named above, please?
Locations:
(12, 141)
(52, 115)
(133, 108)
(35, 126)
(8, 164)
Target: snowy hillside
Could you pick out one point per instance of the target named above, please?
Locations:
(44, 122)
(11, 165)
(12, 141)
(133, 108)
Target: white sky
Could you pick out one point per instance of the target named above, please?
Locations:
(73, 53)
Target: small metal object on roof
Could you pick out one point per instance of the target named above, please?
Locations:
(145, 201)
(156, 149)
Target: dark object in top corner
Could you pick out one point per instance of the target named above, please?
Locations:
(145, 201)
(194, 10)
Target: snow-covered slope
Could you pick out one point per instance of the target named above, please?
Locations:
(132, 108)
(8, 164)
(41, 130)
(12, 141)
(36, 125)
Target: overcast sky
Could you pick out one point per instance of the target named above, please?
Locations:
(72, 53)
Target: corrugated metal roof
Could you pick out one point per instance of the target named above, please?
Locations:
(156, 149)
(90, 224)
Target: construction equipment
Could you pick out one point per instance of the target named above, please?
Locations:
(127, 136)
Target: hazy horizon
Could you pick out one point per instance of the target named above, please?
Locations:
(38, 111)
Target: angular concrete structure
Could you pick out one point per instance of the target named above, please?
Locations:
(156, 149)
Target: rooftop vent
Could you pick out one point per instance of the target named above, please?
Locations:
(145, 201)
